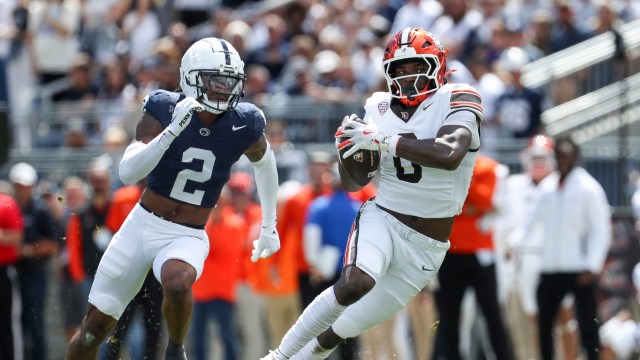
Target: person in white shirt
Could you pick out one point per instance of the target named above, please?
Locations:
(573, 220)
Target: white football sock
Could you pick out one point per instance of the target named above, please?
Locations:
(323, 311)
(312, 351)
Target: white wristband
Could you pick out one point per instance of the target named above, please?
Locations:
(393, 143)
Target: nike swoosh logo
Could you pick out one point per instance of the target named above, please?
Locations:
(426, 106)
(234, 128)
(426, 269)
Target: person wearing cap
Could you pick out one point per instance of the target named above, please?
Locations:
(519, 108)
(41, 242)
(11, 235)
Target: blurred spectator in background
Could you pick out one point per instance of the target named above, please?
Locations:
(365, 62)
(565, 31)
(271, 47)
(140, 27)
(573, 222)
(215, 291)
(540, 30)
(114, 102)
(99, 31)
(519, 108)
(74, 199)
(193, 12)
(82, 89)
(54, 25)
(87, 233)
(455, 24)
(334, 79)
(249, 318)
(491, 86)
(11, 235)
(257, 84)
(416, 13)
(41, 242)
(292, 219)
(279, 290)
(326, 231)
(470, 263)
(239, 33)
(292, 162)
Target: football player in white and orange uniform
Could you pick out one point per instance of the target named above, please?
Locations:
(428, 133)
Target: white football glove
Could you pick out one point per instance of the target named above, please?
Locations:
(364, 136)
(182, 114)
(266, 245)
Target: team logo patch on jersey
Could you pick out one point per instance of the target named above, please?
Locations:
(383, 107)
(205, 132)
(171, 108)
(405, 115)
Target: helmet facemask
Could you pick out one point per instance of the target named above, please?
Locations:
(219, 91)
(412, 93)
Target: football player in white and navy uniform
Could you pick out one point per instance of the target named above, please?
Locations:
(428, 134)
(186, 144)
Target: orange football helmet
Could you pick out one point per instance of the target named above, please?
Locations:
(415, 44)
(538, 158)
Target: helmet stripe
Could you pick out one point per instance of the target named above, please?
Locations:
(404, 39)
(225, 48)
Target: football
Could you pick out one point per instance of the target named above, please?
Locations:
(361, 166)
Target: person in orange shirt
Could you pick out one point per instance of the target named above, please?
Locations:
(470, 262)
(293, 217)
(249, 311)
(215, 291)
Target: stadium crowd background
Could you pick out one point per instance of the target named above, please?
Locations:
(85, 66)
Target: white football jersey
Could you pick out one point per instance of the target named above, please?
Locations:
(409, 188)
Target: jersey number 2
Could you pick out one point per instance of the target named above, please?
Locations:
(208, 159)
(412, 177)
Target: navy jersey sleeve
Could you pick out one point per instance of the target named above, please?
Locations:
(160, 104)
(254, 118)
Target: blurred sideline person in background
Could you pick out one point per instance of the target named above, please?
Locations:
(398, 239)
(215, 292)
(329, 220)
(186, 145)
(41, 242)
(471, 263)
(293, 217)
(247, 300)
(573, 221)
(11, 235)
(521, 195)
